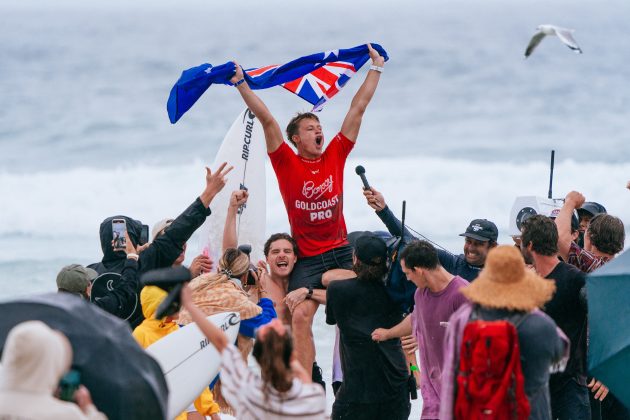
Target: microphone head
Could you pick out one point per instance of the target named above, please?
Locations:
(360, 170)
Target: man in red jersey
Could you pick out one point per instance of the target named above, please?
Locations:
(311, 184)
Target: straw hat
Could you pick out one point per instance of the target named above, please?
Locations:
(505, 282)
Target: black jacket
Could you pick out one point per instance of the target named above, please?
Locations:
(162, 252)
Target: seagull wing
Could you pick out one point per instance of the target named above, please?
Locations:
(566, 37)
(534, 43)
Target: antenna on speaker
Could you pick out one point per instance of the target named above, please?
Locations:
(550, 194)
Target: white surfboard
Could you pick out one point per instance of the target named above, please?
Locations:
(189, 362)
(244, 148)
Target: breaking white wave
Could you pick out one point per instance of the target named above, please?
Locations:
(57, 214)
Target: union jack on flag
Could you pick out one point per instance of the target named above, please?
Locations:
(316, 78)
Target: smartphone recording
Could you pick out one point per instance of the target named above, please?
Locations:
(119, 239)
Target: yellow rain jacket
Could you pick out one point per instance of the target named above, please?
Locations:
(151, 330)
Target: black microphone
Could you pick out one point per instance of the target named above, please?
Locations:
(360, 170)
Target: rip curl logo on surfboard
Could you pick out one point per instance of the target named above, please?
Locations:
(232, 320)
(248, 114)
(247, 137)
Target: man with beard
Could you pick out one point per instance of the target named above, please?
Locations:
(481, 236)
(281, 255)
(567, 307)
(604, 238)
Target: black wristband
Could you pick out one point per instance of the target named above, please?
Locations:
(309, 295)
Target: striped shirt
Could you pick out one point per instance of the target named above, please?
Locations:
(584, 260)
(243, 389)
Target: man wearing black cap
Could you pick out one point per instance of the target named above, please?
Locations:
(568, 308)
(375, 373)
(588, 210)
(481, 236)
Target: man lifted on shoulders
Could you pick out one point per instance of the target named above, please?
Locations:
(311, 184)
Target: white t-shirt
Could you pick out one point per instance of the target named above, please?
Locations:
(243, 389)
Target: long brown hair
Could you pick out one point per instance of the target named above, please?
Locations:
(273, 354)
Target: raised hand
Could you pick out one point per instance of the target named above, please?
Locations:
(215, 181)
(374, 199)
(238, 198)
(201, 264)
(129, 246)
(377, 60)
(575, 199)
(238, 75)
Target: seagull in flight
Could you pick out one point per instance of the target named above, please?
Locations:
(564, 34)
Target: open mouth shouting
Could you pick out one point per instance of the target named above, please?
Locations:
(319, 140)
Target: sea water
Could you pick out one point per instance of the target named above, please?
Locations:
(460, 125)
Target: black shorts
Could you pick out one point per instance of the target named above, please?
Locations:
(309, 270)
(397, 408)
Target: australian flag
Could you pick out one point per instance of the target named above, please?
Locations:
(315, 78)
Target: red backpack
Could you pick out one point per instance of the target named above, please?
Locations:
(490, 381)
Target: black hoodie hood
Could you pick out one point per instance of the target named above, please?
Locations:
(134, 229)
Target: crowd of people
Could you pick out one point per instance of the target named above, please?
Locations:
(501, 330)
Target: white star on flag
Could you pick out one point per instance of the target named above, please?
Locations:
(334, 53)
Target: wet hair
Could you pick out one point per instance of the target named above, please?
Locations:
(606, 233)
(273, 354)
(420, 254)
(278, 236)
(235, 262)
(542, 233)
(370, 272)
(294, 124)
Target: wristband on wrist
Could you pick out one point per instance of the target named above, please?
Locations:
(309, 295)
(377, 68)
(133, 256)
(240, 82)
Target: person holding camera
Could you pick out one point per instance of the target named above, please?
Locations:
(283, 390)
(34, 359)
(76, 279)
(165, 249)
(227, 291)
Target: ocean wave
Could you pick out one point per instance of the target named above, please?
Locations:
(46, 210)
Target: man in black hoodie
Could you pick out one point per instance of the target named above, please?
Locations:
(162, 252)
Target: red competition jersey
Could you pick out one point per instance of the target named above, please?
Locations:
(312, 190)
